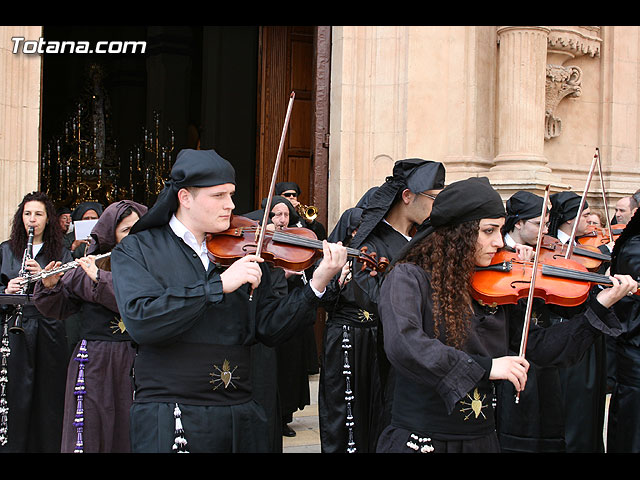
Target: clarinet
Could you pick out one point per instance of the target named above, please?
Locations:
(28, 255)
(5, 350)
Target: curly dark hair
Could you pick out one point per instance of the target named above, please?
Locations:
(52, 235)
(449, 255)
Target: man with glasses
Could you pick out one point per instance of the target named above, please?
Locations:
(291, 191)
(353, 404)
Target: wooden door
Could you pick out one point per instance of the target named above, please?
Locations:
(286, 65)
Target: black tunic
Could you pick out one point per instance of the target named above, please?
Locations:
(623, 429)
(352, 323)
(444, 393)
(37, 367)
(194, 344)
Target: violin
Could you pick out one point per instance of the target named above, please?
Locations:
(293, 248)
(597, 236)
(559, 281)
(589, 256)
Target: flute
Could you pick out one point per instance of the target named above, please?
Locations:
(61, 269)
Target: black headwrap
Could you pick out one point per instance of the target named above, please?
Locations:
(258, 215)
(193, 168)
(350, 219)
(84, 207)
(103, 233)
(63, 210)
(466, 200)
(462, 201)
(284, 186)
(421, 174)
(522, 206)
(564, 207)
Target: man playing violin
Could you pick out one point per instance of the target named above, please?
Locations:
(536, 423)
(584, 384)
(447, 349)
(194, 323)
(352, 417)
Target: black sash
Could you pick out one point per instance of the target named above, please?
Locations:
(193, 373)
(420, 409)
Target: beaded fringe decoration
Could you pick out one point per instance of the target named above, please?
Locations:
(348, 393)
(5, 351)
(80, 391)
(180, 442)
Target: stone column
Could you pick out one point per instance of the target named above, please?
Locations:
(520, 162)
(19, 121)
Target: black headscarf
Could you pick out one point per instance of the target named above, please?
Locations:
(350, 219)
(284, 186)
(258, 215)
(420, 174)
(564, 207)
(193, 168)
(466, 200)
(84, 207)
(522, 206)
(103, 233)
(462, 201)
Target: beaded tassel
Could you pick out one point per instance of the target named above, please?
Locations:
(180, 442)
(5, 351)
(348, 393)
(80, 391)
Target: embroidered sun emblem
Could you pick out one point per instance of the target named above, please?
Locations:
(474, 406)
(117, 325)
(224, 376)
(364, 316)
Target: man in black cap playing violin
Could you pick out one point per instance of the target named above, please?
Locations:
(193, 321)
(352, 405)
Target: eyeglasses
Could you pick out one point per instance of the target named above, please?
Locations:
(432, 197)
(289, 194)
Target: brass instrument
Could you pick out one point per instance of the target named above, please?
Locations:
(61, 269)
(28, 255)
(308, 212)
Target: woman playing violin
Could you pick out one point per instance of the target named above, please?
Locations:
(448, 351)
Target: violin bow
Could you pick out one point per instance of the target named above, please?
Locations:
(532, 285)
(595, 161)
(267, 207)
(604, 197)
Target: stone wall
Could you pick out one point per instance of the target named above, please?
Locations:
(525, 106)
(20, 78)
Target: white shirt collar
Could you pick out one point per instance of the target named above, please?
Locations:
(563, 237)
(509, 241)
(405, 236)
(190, 239)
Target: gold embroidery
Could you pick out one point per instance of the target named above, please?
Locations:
(475, 405)
(117, 325)
(365, 316)
(225, 376)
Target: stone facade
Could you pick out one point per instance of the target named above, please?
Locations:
(526, 106)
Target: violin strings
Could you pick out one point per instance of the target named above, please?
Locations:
(575, 275)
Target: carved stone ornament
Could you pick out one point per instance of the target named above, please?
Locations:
(561, 82)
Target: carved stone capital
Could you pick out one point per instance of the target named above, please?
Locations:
(561, 82)
(574, 41)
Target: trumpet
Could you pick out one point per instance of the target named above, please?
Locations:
(308, 212)
(61, 269)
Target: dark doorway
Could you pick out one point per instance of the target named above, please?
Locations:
(193, 87)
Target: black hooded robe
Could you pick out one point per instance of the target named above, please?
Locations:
(36, 370)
